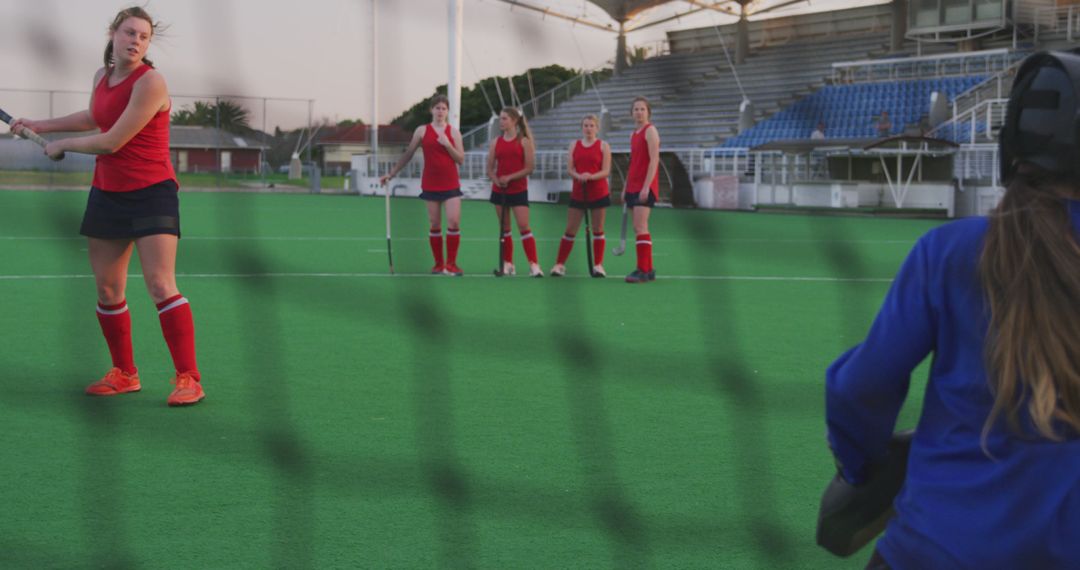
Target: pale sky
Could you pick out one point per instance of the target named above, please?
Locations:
(322, 51)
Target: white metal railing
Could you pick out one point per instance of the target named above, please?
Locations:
(987, 61)
(1058, 20)
(550, 165)
(996, 86)
(977, 162)
(977, 121)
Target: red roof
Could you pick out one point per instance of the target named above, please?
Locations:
(361, 134)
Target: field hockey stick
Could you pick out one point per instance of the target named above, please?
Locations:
(389, 248)
(502, 222)
(588, 227)
(622, 234)
(28, 134)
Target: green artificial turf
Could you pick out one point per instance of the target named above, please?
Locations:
(358, 420)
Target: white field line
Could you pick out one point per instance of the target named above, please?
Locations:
(778, 278)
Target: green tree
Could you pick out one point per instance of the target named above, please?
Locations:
(229, 115)
(476, 109)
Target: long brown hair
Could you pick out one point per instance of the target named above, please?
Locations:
(1030, 273)
(519, 121)
(121, 17)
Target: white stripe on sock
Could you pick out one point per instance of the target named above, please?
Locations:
(173, 305)
(112, 312)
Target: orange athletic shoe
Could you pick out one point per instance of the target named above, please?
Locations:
(115, 382)
(188, 391)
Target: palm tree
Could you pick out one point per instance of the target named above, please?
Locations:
(228, 115)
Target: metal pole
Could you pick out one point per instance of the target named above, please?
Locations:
(262, 151)
(311, 142)
(374, 129)
(453, 86)
(217, 136)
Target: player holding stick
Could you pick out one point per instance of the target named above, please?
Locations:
(440, 184)
(133, 203)
(510, 160)
(589, 161)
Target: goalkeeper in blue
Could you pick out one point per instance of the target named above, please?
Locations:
(993, 474)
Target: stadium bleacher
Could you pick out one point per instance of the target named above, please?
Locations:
(696, 97)
(851, 111)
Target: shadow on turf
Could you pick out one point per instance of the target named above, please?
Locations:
(758, 498)
(434, 416)
(584, 364)
(267, 391)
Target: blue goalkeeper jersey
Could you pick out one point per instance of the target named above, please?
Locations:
(959, 508)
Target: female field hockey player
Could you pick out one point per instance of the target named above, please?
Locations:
(993, 476)
(589, 161)
(510, 160)
(642, 187)
(439, 184)
(133, 203)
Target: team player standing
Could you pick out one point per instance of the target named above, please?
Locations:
(511, 158)
(589, 163)
(440, 184)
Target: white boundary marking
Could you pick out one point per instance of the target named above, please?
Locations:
(475, 239)
(778, 278)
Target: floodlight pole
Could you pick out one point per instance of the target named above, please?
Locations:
(374, 127)
(453, 86)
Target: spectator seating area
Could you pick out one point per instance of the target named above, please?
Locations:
(853, 110)
(695, 96)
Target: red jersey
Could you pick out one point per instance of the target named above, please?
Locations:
(144, 160)
(639, 164)
(510, 158)
(440, 170)
(589, 160)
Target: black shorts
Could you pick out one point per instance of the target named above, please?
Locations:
(515, 199)
(632, 200)
(594, 205)
(127, 215)
(440, 196)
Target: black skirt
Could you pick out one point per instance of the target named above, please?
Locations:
(515, 199)
(127, 215)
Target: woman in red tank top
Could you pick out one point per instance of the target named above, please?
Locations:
(643, 185)
(132, 204)
(509, 162)
(439, 185)
(589, 162)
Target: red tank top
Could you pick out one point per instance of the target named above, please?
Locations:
(587, 160)
(510, 158)
(144, 160)
(440, 170)
(639, 164)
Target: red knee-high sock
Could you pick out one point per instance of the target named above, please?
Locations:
(115, 323)
(644, 252)
(179, 329)
(453, 240)
(508, 247)
(435, 238)
(598, 245)
(565, 246)
(528, 243)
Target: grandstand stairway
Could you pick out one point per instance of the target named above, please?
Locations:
(695, 96)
